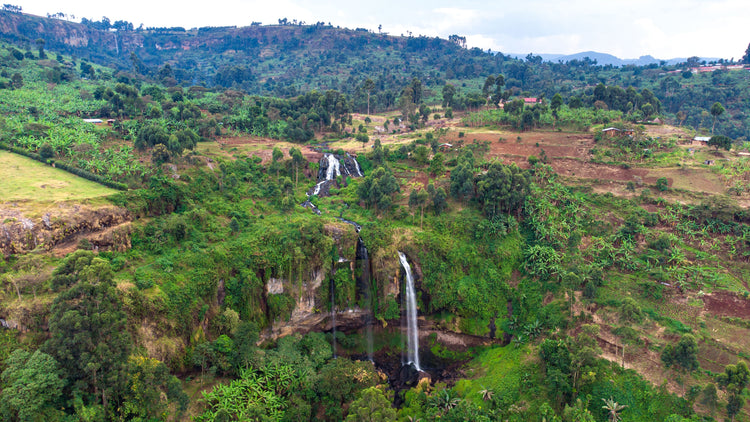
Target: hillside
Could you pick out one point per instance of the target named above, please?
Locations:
(293, 258)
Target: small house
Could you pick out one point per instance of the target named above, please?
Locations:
(611, 132)
(94, 121)
(445, 147)
(530, 100)
(701, 140)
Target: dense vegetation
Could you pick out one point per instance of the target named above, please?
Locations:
(556, 279)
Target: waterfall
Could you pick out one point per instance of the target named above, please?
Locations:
(333, 170)
(365, 261)
(333, 315)
(412, 339)
(356, 165)
(334, 167)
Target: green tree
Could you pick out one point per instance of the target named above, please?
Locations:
(684, 354)
(31, 387)
(439, 201)
(16, 81)
(613, 409)
(88, 335)
(662, 184)
(418, 199)
(437, 166)
(734, 380)
(276, 158)
(746, 57)
(555, 105)
(449, 92)
(148, 381)
(297, 161)
(368, 86)
(40, 48)
(502, 189)
(377, 188)
(720, 141)
(371, 406)
(362, 137)
(716, 110)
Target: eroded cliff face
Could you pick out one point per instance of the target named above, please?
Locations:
(61, 227)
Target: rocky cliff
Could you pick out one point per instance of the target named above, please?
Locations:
(61, 227)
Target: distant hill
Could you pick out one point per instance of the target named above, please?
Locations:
(605, 59)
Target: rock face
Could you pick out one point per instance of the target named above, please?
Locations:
(106, 228)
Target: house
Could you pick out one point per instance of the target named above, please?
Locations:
(701, 140)
(611, 132)
(445, 147)
(95, 121)
(531, 100)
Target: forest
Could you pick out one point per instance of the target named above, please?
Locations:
(391, 229)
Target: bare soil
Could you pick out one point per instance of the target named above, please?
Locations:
(723, 303)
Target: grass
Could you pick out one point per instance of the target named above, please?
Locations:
(26, 179)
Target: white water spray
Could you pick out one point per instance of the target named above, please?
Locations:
(412, 339)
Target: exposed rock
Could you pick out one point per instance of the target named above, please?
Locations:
(275, 286)
(105, 227)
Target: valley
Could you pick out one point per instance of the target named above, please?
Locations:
(475, 247)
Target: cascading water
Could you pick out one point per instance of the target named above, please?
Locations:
(364, 259)
(333, 170)
(333, 315)
(356, 165)
(412, 339)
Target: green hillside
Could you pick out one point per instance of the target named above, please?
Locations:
(572, 258)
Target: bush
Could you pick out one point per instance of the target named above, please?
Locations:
(630, 311)
(662, 185)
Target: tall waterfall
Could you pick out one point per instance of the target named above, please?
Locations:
(412, 339)
(364, 259)
(333, 315)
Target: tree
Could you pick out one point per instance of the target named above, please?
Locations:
(418, 199)
(371, 406)
(362, 137)
(613, 409)
(449, 91)
(734, 380)
(88, 335)
(555, 104)
(662, 184)
(716, 110)
(297, 160)
(16, 81)
(502, 189)
(439, 201)
(684, 354)
(276, 157)
(40, 47)
(368, 86)
(746, 57)
(31, 387)
(437, 166)
(720, 141)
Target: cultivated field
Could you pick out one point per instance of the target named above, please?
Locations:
(22, 179)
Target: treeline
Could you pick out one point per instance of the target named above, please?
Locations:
(64, 166)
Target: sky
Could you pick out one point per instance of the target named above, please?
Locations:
(627, 29)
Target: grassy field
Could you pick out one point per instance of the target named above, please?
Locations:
(25, 179)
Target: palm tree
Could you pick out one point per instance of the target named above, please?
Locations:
(444, 401)
(486, 394)
(613, 408)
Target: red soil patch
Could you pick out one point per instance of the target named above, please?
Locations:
(723, 303)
